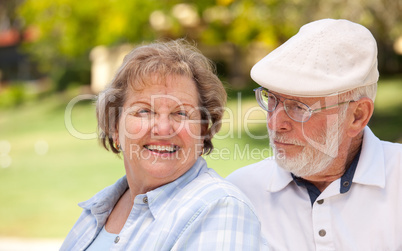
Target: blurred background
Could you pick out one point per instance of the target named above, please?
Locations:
(52, 51)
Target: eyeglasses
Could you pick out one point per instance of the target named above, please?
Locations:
(296, 110)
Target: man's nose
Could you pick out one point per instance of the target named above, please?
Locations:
(278, 120)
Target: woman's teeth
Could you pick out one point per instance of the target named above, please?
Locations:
(163, 148)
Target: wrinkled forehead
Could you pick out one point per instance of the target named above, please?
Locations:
(164, 88)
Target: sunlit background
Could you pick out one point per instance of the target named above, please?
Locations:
(52, 51)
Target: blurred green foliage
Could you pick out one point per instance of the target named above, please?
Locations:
(12, 96)
(67, 30)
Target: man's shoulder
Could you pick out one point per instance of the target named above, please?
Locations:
(210, 186)
(256, 172)
(262, 166)
(374, 148)
(392, 145)
(392, 153)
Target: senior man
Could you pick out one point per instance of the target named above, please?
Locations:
(332, 184)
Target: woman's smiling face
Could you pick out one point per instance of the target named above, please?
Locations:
(160, 130)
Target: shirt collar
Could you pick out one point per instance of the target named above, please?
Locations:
(371, 169)
(347, 177)
(103, 202)
(158, 197)
(279, 178)
(344, 186)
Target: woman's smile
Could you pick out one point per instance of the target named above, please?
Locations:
(162, 149)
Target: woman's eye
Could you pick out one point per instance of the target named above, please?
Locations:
(142, 112)
(182, 113)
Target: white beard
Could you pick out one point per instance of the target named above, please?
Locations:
(317, 155)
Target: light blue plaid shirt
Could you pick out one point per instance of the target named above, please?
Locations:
(198, 211)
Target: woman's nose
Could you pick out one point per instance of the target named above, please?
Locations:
(162, 125)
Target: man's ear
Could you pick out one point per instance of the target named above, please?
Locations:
(362, 112)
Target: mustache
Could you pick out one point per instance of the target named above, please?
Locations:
(275, 136)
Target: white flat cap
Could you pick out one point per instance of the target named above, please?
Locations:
(325, 57)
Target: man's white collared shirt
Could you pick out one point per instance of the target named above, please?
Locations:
(367, 217)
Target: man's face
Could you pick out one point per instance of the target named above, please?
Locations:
(308, 148)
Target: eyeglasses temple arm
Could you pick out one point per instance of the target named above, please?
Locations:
(332, 106)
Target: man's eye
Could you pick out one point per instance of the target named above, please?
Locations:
(298, 107)
(270, 98)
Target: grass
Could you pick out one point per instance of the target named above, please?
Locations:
(51, 170)
(37, 189)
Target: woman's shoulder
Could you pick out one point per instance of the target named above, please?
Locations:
(209, 187)
(107, 196)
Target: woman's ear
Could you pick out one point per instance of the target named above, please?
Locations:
(116, 137)
(115, 134)
(116, 141)
(362, 112)
(204, 129)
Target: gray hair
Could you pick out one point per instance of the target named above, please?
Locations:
(369, 91)
(163, 59)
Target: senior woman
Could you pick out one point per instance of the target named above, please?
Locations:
(160, 113)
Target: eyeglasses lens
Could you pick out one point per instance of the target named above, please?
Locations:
(269, 100)
(297, 110)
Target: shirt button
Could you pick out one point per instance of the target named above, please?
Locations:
(145, 200)
(117, 239)
(322, 232)
(320, 201)
(346, 183)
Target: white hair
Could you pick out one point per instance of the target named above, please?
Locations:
(368, 91)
